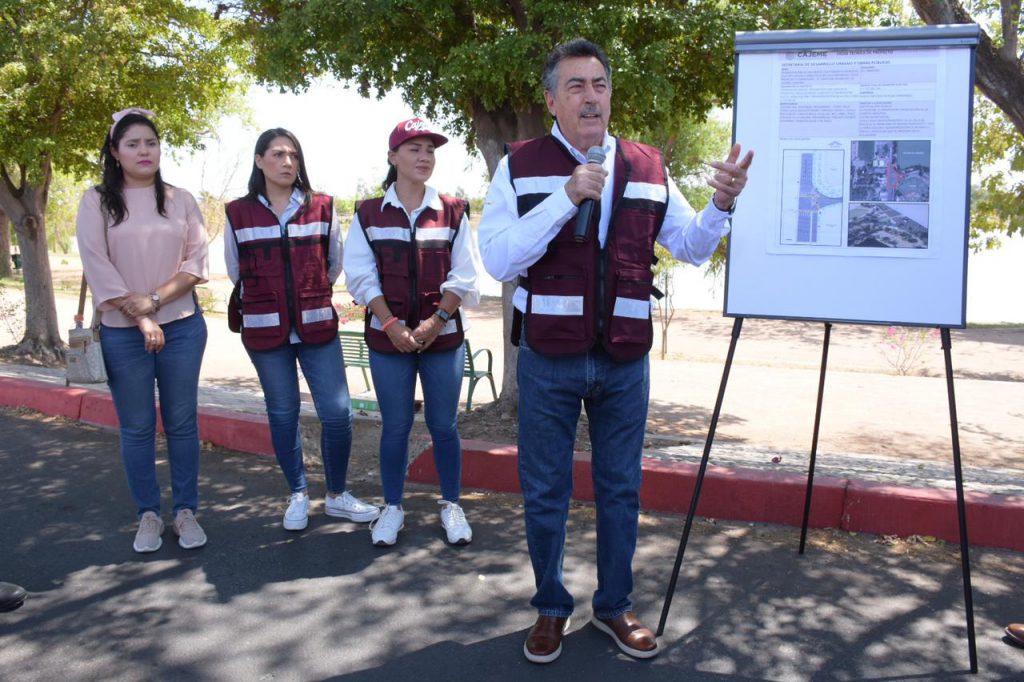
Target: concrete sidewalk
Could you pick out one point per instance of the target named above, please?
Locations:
(260, 603)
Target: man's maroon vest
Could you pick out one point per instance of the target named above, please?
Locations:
(579, 294)
(412, 264)
(284, 277)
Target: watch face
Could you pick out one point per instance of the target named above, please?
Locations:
(443, 314)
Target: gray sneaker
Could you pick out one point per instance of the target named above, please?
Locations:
(147, 537)
(190, 533)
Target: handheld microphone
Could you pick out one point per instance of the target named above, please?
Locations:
(594, 155)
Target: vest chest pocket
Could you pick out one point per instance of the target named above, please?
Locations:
(264, 262)
(630, 304)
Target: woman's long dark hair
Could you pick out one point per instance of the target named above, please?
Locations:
(111, 187)
(258, 182)
(391, 178)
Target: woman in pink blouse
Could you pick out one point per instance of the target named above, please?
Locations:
(144, 249)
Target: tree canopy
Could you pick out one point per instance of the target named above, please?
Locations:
(65, 67)
(997, 204)
(476, 64)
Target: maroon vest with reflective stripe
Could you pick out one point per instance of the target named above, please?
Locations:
(284, 278)
(412, 265)
(579, 293)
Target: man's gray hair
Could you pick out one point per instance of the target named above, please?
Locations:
(577, 47)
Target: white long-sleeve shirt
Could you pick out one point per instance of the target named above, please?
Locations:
(363, 280)
(510, 244)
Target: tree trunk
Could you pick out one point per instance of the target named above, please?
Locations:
(6, 264)
(494, 129)
(26, 207)
(999, 76)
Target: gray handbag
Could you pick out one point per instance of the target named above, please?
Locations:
(84, 359)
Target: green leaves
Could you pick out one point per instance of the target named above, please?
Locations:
(69, 64)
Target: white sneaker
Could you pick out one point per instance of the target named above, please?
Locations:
(147, 538)
(348, 506)
(384, 530)
(453, 520)
(297, 515)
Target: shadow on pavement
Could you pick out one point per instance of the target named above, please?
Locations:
(261, 603)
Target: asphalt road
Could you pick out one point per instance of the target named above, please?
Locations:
(259, 603)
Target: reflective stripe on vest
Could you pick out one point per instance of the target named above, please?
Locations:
(317, 315)
(267, 320)
(632, 307)
(315, 229)
(401, 234)
(251, 234)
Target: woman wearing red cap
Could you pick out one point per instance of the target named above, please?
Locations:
(412, 259)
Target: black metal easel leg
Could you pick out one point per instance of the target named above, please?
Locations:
(961, 507)
(736, 326)
(814, 437)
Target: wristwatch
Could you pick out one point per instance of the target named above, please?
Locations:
(155, 298)
(443, 314)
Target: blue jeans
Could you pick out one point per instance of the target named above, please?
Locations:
(324, 370)
(132, 372)
(394, 381)
(551, 390)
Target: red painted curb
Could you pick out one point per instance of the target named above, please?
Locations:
(55, 399)
(992, 520)
(741, 494)
(235, 430)
(98, 409)
(728, 493)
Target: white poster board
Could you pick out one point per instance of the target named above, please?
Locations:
(856, 206)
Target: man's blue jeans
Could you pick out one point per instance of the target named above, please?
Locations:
(324, 370)
(394, 381)
(551, 390)
(132, 372)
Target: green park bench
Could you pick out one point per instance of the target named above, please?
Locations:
(356, 354)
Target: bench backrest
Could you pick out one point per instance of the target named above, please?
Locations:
(353, 347)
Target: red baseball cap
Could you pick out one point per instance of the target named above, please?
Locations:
(414, 127)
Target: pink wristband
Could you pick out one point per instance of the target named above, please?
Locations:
(390, 320)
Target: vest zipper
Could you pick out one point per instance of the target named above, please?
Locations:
(289, 285)
(414, 298)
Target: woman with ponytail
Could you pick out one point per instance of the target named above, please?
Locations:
(412, 259)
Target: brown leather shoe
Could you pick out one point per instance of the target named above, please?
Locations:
(629, 634)
(1015, 632)
(544, 643)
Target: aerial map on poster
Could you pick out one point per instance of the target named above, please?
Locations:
(856, 204)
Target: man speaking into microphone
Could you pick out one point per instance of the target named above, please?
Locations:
(582, 322)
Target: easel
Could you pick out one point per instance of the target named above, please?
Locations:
(965, 561)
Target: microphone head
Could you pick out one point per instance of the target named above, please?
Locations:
(595, 155)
